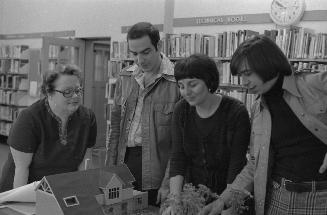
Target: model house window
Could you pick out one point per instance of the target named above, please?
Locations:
(71, 201)
(139, 200)
(113, 193)
(45, 187)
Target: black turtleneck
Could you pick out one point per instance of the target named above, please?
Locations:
(298, 154)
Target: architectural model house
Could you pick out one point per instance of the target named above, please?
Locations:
(96, 191)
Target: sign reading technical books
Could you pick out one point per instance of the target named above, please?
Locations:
(221, 19)
(237, 19)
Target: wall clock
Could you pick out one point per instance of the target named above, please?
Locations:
(287, 12)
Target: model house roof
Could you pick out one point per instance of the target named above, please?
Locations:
(85, 186)
(123, 173)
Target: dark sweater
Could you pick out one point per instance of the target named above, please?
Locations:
(37, 130)
(215, 157)
(298, 154)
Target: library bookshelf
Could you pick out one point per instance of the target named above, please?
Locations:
(19, 65)
(306, 51)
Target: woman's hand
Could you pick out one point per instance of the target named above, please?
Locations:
(214, 208)
(162, 194)
(169, 211)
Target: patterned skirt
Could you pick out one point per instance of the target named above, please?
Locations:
(280, 201)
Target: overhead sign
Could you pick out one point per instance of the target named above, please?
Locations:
(37, 35)
(259, 18)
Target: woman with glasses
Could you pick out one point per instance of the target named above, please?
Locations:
(52, 135)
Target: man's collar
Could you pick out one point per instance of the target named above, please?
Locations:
(289, 84)
(166, 69)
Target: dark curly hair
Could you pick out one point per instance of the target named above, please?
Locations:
(50, 77)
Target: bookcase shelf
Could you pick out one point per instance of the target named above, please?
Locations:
(306, 51)
(6, 120)
(308, 60)
(214, 58)
(11, 89)
(13, 105)
(13, 73)
(121, 59)
(19, 65)
(232, 86)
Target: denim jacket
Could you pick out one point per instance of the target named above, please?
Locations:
(158, 106)
(306, 94)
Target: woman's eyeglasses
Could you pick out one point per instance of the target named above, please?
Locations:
(70, 92)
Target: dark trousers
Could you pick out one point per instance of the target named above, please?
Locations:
(133, 159)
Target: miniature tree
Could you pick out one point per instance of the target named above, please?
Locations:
(192, 199)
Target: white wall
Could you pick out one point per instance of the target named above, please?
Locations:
(229, 7)
(198, 8)
(1, 15)
(89, 18)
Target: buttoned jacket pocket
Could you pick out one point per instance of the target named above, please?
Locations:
(319, 110)
(319, 107)
(163, 113)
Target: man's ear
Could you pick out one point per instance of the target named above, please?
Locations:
(159, 45)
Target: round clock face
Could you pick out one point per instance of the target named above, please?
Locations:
(286, 12)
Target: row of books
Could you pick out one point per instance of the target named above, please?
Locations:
(225, 74)
(15, 51)
(309, 66)
(9, 113)
(246, 98)
(114, 67)
(299, 42)
(63, 54)
(183, 45)
(14, 66)
(120, 50)
(16, 98)
(14, 82)
(296, 42)
(218, 45)
(5, 128)
(54, 51)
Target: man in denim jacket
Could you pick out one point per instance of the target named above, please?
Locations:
(141, 115)
(286, 171)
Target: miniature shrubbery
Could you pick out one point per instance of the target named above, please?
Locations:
(192, 199)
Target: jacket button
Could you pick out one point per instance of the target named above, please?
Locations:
(316, 129)
(302, 114)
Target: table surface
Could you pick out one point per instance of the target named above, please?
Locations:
(149, 211)
(8, 211)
